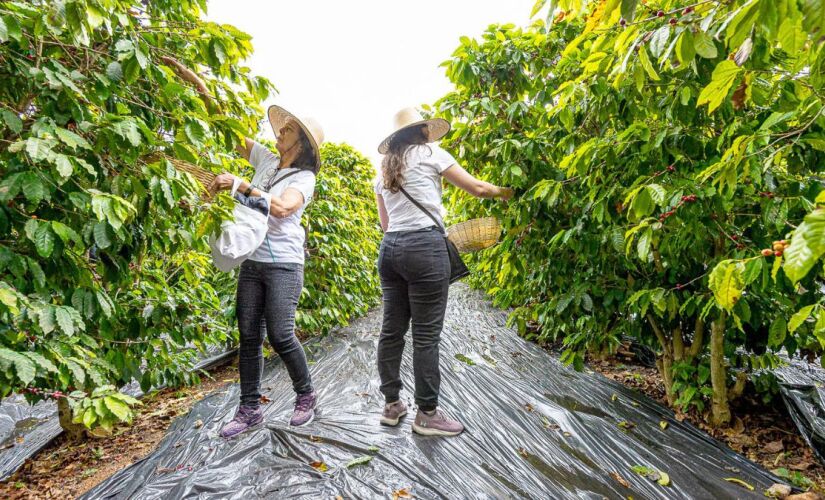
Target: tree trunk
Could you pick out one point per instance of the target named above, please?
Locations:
(665, 363)
(64, 413)
(718, 373)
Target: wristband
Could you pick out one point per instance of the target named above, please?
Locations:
(248, 191)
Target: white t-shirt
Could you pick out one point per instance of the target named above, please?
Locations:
(286, 236)
(422, 180)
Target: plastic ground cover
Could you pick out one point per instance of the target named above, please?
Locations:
(535, 429)
(802, 386)
(26, 429)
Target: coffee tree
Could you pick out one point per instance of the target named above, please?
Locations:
(340, 278)
(104, 275)
(659, 147)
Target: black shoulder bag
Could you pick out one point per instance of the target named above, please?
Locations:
(458, 269)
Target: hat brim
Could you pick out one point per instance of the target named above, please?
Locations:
(278, 117)
(436, 129)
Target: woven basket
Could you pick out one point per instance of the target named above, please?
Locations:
(475, 234)
(205, 177)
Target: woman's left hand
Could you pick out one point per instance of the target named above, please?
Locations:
(222, 182)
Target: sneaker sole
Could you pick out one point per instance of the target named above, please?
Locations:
(429, 431)
(392, 422)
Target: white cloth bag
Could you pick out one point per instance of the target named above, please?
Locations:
(240, 238)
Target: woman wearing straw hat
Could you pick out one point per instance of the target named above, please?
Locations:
(271, 280)
(413, 262)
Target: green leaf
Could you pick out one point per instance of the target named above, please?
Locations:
(23, 366)
(799, 318)
(727, 283)
(44, 240)
(647, 65)
(658, 42)
(8, 298)
(807, 246)
(114, 71)
(41, 362)
(64, 166)
(13, 122)
(753, 270)
(45, 319)
(66, 234)
(359, 461)
(4, 31)
(777, 332)
(129, 130)
(717, 90)
(32, 187)
(64, 319)
(118, 408)
(629, 9)
(101, 235)
(71, 139)
(704, 45)
(685, 48)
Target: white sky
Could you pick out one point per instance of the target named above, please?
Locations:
(354, 64)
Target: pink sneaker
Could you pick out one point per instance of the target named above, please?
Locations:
(304, 409)
(245, 418)
(393, 413)
(437, 424)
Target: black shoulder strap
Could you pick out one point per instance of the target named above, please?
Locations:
(279, 180)
(421, 207)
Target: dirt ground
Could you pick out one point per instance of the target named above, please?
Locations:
(764, 433)
(67, 470)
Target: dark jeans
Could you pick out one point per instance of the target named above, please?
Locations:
(415, 278)
(267, 299)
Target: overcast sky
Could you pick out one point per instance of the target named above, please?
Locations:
(353, 64)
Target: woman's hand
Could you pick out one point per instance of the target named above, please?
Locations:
(221, 182)
(506, 193)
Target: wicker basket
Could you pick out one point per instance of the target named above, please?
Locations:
(475, 234)
(205, 177)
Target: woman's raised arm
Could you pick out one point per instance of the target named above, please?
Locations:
(462, 179)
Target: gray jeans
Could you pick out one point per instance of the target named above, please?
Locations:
(267, 298)
(415, 279)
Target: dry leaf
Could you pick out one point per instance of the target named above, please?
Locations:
(402, 493)
(619, 479)
(198, 424)
(319, 466)
(778, 490)
(663, 425)
(265, 399)
(738, 98)
(523, 453)
(528, 407)
(773, 447)
(315, 439)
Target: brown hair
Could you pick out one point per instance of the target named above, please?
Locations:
(395, 161)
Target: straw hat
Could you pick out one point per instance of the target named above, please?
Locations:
(410, 117)
(278, 117)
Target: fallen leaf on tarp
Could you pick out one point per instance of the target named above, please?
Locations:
(319, 466)
(359, 461)
(265, 399)
(773, 447)
(634, 403)
(619, 479)
(548, 424)
(663, 425)
(614, 397)
(808, 495)
(523, 453)
(198, 423)
(374, 449)
(739, 482)
(315, 439)
(465, 359)
(528, 407)
(778, 490)
(652, 474)
(362, 394)
(339, 497)
(624, 424)
(402, 493)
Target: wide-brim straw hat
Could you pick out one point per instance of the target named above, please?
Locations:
(278, 117)
(410, 117)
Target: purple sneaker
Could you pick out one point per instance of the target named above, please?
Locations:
(245, 418)
(304, 409)
(437, 424)
(393, 413)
